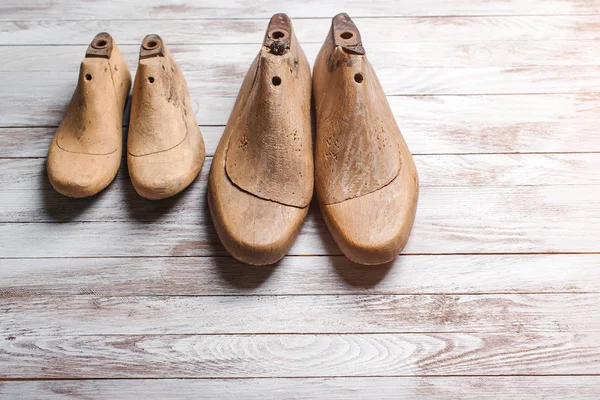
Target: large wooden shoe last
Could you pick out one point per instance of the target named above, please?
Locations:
(85, 154)
(165, 149)
(366, 180)
(261, 179)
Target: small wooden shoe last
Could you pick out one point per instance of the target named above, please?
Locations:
(85, 154)
(366, 179)
(261, 179)
(165, 149)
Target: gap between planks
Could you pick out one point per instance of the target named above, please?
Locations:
(345, 377)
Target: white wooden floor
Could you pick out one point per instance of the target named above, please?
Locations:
(496, 296)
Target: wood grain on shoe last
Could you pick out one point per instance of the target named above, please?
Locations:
(366, 179)
(165, 149)
(85, 154)
(261, 179)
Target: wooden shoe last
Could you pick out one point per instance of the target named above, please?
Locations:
(85, 154)
(165, 149)
(261, 179)
(365, 176)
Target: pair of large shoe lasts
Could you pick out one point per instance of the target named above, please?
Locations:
(261, 180)
(165, 146)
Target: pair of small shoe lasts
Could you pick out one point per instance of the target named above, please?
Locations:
(263, 173)
(165, 149)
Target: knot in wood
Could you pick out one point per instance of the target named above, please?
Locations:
(279, 47)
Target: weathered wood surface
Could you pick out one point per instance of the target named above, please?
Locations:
(451, 170)
(340, 388)
(231, 58)
(170, 9)
(562, 219)
(543, 203)
(245, 356)
(198, 238)
(331, 275)
(143, 315)
(501, 275)
(40, 98)
(309, 30)
(430, 124)
(37, 85)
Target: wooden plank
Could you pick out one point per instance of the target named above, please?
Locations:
(34, 98)
(161, 9)
(430, 124)
(449, 274)
(310, 30)
(342, 388)
(144, 315)
(449, 220)
(455, 220)
(41, 98)
(241, 356)
(34, 142)
(482, 210)
(235, 58)
(450, 170)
